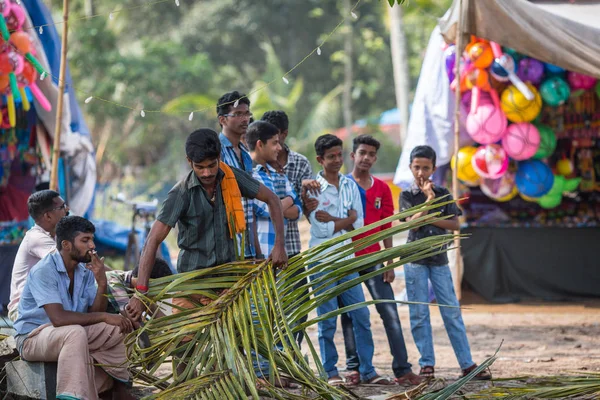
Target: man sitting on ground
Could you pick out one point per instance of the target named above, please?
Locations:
(62, 318)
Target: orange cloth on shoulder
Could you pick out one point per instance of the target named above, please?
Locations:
(232, 197)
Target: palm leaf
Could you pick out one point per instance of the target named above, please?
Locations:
(256, 318)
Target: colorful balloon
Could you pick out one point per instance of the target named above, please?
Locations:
(464, 167)
(555, 91)
(553, 69)
(450, 57)
(580, 81)
(531, 70)
(501, 189)
(480, 54)
(487, 123)
(564, 167)
(517, 107)
(501, 73)
(490, 161)
(547, 142)
(534, 178)
(521, 141)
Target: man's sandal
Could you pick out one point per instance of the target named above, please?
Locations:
(484, 375)
(353, 378)
(336, 381)
(409, 379)
(427, 372)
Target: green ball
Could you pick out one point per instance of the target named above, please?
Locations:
(547, 142)
(555, 91)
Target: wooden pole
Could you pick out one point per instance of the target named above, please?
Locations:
(455, 192)
(59, 103)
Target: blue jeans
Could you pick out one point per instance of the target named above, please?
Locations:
(360, 321)
(416, 288)
(388, 312)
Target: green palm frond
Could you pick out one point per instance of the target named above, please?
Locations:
(259, 314)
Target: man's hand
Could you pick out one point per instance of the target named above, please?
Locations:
(389, 276)
(124, 324)
(310, 204)
(353, 214)
(324, 216)
(97, 268)
(427, 189)
(135, 308)
(311, 186)
(278, 256)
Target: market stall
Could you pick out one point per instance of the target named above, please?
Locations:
(529, 157)
(29, 71)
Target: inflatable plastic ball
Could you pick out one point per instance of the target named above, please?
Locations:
(480, 54)
(521, 141)
(465, 171)
(516, 106)
(500, 189)
(490, 161)
(555, 91)
(531, 70)
(552, 69)
(547, 142)
(500, 73)
(580, 81)
(564, 167)
(534, 178)
(487, 124)
(450, 57)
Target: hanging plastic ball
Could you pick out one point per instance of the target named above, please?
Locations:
(555, 91)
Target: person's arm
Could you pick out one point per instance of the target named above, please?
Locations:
(326, 224)
(427, 189)
(450, 224)
(60, 317)
(100, 301)
(294, 210)
(278, 255)
(357, 206)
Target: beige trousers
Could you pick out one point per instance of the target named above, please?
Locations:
(77, 348)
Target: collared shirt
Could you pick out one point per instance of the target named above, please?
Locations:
(36, 244)
(378, 204)
(229, 157)
(413, 197)
(281, 186)
(297, 169)
(48, 283)
(337, 203)
(203, 235)
(119, 290)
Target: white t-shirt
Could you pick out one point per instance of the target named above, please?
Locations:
(36, 244)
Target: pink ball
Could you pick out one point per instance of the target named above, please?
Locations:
(490, 161)
(521, 141)
(580, 81)
(487, 124)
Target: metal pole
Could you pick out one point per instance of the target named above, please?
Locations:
(455, 192)
(59, 103)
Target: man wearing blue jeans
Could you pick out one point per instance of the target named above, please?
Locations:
(435, 269)
(378, 204)
(339, 211)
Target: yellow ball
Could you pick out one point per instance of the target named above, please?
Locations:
(564, 167)
(509, 196)
(516, 106)
(465, 171)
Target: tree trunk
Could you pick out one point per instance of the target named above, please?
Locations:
(400, 67)
(89, 8)
(348, 76)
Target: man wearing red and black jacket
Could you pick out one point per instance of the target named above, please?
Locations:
(378, 204)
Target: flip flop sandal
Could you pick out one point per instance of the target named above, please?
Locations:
(427, 372)
(335, 381)
(409, 379)
(353, 378)
(484, 375)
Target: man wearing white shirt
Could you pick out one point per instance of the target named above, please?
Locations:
(340, 210)
(46, 207)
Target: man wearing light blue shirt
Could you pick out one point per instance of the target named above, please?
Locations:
(340, 210)
(62, 317)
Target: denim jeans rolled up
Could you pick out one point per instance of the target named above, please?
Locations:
(416, 288)
(388, 312)
(361, 324)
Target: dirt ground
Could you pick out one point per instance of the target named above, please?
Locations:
(539, 339)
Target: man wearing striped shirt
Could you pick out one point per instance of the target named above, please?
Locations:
(263, 140)
(340, 210)
(233, 111)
